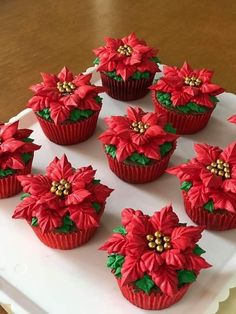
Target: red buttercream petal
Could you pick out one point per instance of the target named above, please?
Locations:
(65, 75)
(152, 260)
(8, 130)
(84, 216)
(35, 184)
(59, 112)
(77, 197)
(174, 258)
(164, 220)
(206, 154)
(59, 169)
(183, 238)
(25, 209)
(196, 263)
(229, 154)
(48, 220)
(232, 119)
(166, 279)
(131, 270)
(49, 80)
(210, 180)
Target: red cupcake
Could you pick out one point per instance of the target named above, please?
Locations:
(64, 206)
(16, 156)
(138, 145)
(187, 97)
(66, 106)
(154, 258)
(127, 67)
(208, 182)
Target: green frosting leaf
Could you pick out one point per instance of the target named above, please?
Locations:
(96, 61)
(6, 172)
(110, 150)
(67, 226)
(96, 206)
(24, 195)
(78, 115)
(120, 230)
(27, 140)
(112, 74)
(45, 114)
(96, 181)
(169, 128)
(186, 276)
(186, 186)
(165, 148)
(214, 99)
(34, 222)
(26, 157)
(209, 206)
(136, 76)
(145, 284)
(198, 250)
(192, 107)
(140, 159)
(115, 262)
(98, 99)
(155, 60)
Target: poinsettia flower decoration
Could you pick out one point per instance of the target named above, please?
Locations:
(64, 92)
(62, 191)
(14, 145)
(232, 119)
(126, 56)
(210, 176)
(157, 246)
(187, 85)
(139, 132)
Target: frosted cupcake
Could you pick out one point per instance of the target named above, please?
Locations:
(187, 97)
(127, 67)
(16, 157)
(154, 258)
(64, 206)
(138, 146)
(208, 182)
(66, 106)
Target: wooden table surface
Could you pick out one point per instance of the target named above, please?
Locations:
(45, 35)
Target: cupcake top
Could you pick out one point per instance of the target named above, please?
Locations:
(138, 137)
(209, 179)
(65, 97)
(16, 148)
(64, 199)
(232, 119)
(155, 253)
(187, 90)
(126, 58)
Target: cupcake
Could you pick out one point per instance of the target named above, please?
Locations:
(154, 258)
(66, 106)
(16, 156)
(232, 119)
(127, 67)
(187, 97)
(64, 206)
(138, 145)
(208, 183)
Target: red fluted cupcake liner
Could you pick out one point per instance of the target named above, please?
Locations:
(9, 185)
(126, 90)
(152, 301)
(218, 221)
(182, 122)
(70, 132)
(139, 174)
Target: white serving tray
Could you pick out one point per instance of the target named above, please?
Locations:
(36, 279)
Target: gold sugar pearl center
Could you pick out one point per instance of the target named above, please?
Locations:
(158, 242)
(66, 87)
(125, 50)
(61, 188)
(220, 168)
(192, 81)
(139, 127)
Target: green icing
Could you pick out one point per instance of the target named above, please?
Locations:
(120, 230)
(78, 115)
(145, 284)
(169, 128)
(155, 60)
(23, 196)
(67, 226)
(115, 262)
(96, 181)
(45, 114)
(209, 206)
(198, 250)
(191, 107)
(96, 61)
(140, 159)
(96, 206)
(98, 99)
(186, 276)
(165, 148)
(186, 186)
(136, 76)
(34, 222)
(6, 172)
(26, 157)
(110, 150)
(27, 140)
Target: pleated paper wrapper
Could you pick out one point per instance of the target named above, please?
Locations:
(71, 132)
(126, 90)
(183, 123)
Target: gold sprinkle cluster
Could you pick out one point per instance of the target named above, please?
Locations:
(158, 241)
(220, 168)
(125, 50)
(65, 87)
(139, 127)
(61, 188)
(192, 81)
